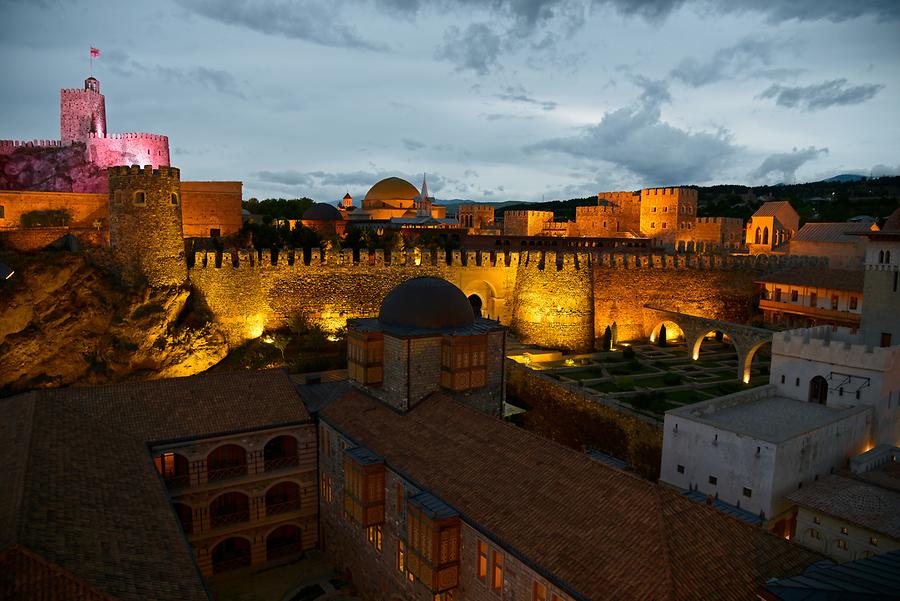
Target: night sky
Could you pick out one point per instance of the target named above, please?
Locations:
(496, 99)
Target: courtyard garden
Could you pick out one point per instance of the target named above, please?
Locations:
(652, 378)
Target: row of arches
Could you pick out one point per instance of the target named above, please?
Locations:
(761, 236)
(668, 331)
(233, 507)
(236, 551)
(228, 461)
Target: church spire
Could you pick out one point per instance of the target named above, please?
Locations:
(424, 195)
(424, 207)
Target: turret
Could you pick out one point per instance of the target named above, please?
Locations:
(145, 224)
(82, 112)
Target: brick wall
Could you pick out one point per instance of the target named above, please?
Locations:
(85, 209)
(211, 205)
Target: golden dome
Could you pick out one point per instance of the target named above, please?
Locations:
(392, 188)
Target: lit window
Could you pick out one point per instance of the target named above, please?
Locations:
(843, 530)
(373, 534)
(842, 545)
(873, 541)
(464, 362)
(139, 198)
(813, 533)
(538, 592)
(817, 520)
(326, 488)
(497, 573)
(482, 560)
(401, 556)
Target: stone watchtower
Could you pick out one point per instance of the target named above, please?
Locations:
(145, 227)
(82, 112)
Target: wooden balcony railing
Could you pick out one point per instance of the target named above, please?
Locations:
(282, 507)
(221, 520)
(813, 312)
(280, 463)
(231, 564)
(226, 473)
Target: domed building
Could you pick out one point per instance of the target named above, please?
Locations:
(395, 198)
(325, 219)
(427, 338)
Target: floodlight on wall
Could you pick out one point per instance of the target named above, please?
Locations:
(6, 271)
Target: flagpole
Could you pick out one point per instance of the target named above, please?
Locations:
(91, 54)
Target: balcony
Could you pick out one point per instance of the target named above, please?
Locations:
(226, 473)
(818, 313)
(280, 463)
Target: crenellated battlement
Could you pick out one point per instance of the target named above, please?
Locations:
(720, 220)
(145, 171)
(686, 193)
(12, 144)
(597, 210)
(77, 92)
(838, 347)
(129, 136)
(528, 213)
(295, 258)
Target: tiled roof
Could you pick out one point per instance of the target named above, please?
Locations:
(86, 498)
(600, 532)
(846, 232)
(193, 407)
(771, 208)
(858, 502)
(873, 579)
(819, 277)
(78, 489)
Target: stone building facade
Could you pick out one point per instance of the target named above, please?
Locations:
(807, 297)
(477, 218)
(525, 223)
(244, 499)
(145, 230)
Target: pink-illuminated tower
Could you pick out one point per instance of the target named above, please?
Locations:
(82, 112)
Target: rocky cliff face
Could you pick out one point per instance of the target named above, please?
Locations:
(65, 319)
(51, 169)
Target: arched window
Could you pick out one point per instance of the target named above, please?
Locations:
(880, 256)
(230, 554)
(174, 469)
(139, 198)
(284, 540)
(283, 497)
(229, 508)
(2, 212)
(280, 452)
(227, 461)
(765, 235)
(758, 237)
(818, 390)
(174, 198)
(887, 256)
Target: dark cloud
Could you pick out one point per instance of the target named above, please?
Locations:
(311, 181)
(784, 165)
(816, 97)
(884, 170)
(412, 145)
(636, 139)
(520, 95)
(122, 64)
(316, 21)
(724, 63)
(289, 177)
(477, 48)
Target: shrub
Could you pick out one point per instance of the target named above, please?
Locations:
(629, 353)
(624, 383)
(671, 379)
(48, 218)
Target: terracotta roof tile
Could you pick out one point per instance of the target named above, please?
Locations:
(853, 500)
(89, 501)
(601, 532)
(845, 232)
(835, 279)
(771, 208)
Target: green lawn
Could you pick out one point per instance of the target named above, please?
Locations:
(584, 374)
(687, 396)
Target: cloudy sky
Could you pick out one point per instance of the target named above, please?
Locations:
(495, 99)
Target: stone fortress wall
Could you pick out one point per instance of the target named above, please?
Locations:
(567, 305)
(81, 111)
(128, 149)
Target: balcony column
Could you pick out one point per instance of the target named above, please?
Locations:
(258, 549)
(204, 561)
(198, 472)
(257, 464)
(258, 508)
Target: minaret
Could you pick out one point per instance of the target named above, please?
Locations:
(423, 209)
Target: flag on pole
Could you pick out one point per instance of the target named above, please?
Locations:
(95, 53)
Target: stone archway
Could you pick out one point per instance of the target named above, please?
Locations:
(747, 363)
(484, 300)
(477, 304)
(818, 390)
(672, 330)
